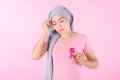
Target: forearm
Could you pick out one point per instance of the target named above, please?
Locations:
(92, 64)
(40, 47)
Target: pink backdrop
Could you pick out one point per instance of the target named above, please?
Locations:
(20, 28)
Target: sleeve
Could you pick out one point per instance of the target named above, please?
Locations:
(87, 46)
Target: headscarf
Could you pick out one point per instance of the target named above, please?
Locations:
(54, 35)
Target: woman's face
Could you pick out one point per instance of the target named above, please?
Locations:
(60, 24)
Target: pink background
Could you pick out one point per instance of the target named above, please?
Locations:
(20, 28)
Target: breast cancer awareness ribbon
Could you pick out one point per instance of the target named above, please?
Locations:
(72, 55)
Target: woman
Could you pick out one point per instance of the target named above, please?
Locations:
(66, 48)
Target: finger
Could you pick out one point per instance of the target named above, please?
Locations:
(78, 53)
(79, 56)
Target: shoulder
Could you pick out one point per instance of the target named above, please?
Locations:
(81, 35)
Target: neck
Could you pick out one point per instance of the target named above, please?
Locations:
(66, 35)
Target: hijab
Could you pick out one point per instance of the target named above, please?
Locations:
(54, 35)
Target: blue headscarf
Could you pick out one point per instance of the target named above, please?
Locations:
(54, 35)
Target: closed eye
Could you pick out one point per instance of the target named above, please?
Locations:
(54, 23)
(61, 21)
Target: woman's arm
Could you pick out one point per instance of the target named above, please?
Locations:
(41, 46)
(90, 61)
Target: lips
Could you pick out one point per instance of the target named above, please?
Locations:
(60, 30)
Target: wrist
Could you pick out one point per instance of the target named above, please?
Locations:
(83, 62)
(45, 31)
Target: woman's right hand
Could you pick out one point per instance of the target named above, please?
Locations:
(46, 25)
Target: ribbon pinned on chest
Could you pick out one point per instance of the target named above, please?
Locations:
(72, 55)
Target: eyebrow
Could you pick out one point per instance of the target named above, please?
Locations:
(58, 19)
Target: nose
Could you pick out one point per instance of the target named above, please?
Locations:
(59, 25)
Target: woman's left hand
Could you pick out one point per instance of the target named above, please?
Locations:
(79, 57)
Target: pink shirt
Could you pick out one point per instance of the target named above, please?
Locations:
(65, 68)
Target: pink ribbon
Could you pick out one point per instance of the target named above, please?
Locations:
(72, 55)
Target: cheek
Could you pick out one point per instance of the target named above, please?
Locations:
(66, 25)
(55, 27)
